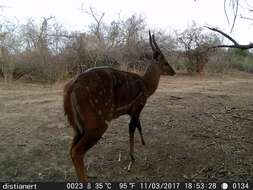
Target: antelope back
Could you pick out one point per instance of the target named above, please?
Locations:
(110, 92)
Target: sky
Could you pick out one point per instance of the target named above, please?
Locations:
(165, 15)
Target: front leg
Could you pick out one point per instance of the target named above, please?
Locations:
(135, 122)
(140, 131)
(132, 127)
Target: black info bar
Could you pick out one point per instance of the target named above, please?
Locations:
(127, 186)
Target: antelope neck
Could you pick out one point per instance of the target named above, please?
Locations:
(151, 78)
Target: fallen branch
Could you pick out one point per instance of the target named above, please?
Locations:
(240, 117)
(175, 98)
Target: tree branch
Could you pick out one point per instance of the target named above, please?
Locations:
(247, 18)
(236, 44)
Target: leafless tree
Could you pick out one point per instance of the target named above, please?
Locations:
(9, 45)
(97, 27)
(196, 46)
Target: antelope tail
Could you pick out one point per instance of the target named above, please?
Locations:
(71, 108)
(67, 105)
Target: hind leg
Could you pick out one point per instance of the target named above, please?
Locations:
(92, 134)
(75, 140)
(77, 152)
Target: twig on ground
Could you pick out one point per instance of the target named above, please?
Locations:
(119, 159)
(240, 117)
(198, 173)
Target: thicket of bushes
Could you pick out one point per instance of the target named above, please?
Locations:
(46, 52)
(241, 60)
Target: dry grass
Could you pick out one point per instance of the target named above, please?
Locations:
(195, 129)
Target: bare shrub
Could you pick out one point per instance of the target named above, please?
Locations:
(46, 52)
(219, 62)
(241, 60)
(196, 46)
(40, 58)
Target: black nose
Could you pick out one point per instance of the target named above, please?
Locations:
(172, 73)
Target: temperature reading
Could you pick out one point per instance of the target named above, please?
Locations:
(108, 185)
(103, 186)
(126, 186)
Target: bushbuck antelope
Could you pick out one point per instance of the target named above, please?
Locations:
(99, 95)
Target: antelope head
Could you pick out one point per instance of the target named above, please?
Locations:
(163, 64)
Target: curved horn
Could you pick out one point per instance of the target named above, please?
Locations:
(150, 42)
(157, 48)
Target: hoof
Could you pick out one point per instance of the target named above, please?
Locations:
(129, 166)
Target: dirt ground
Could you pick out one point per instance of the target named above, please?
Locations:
(195, 129)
